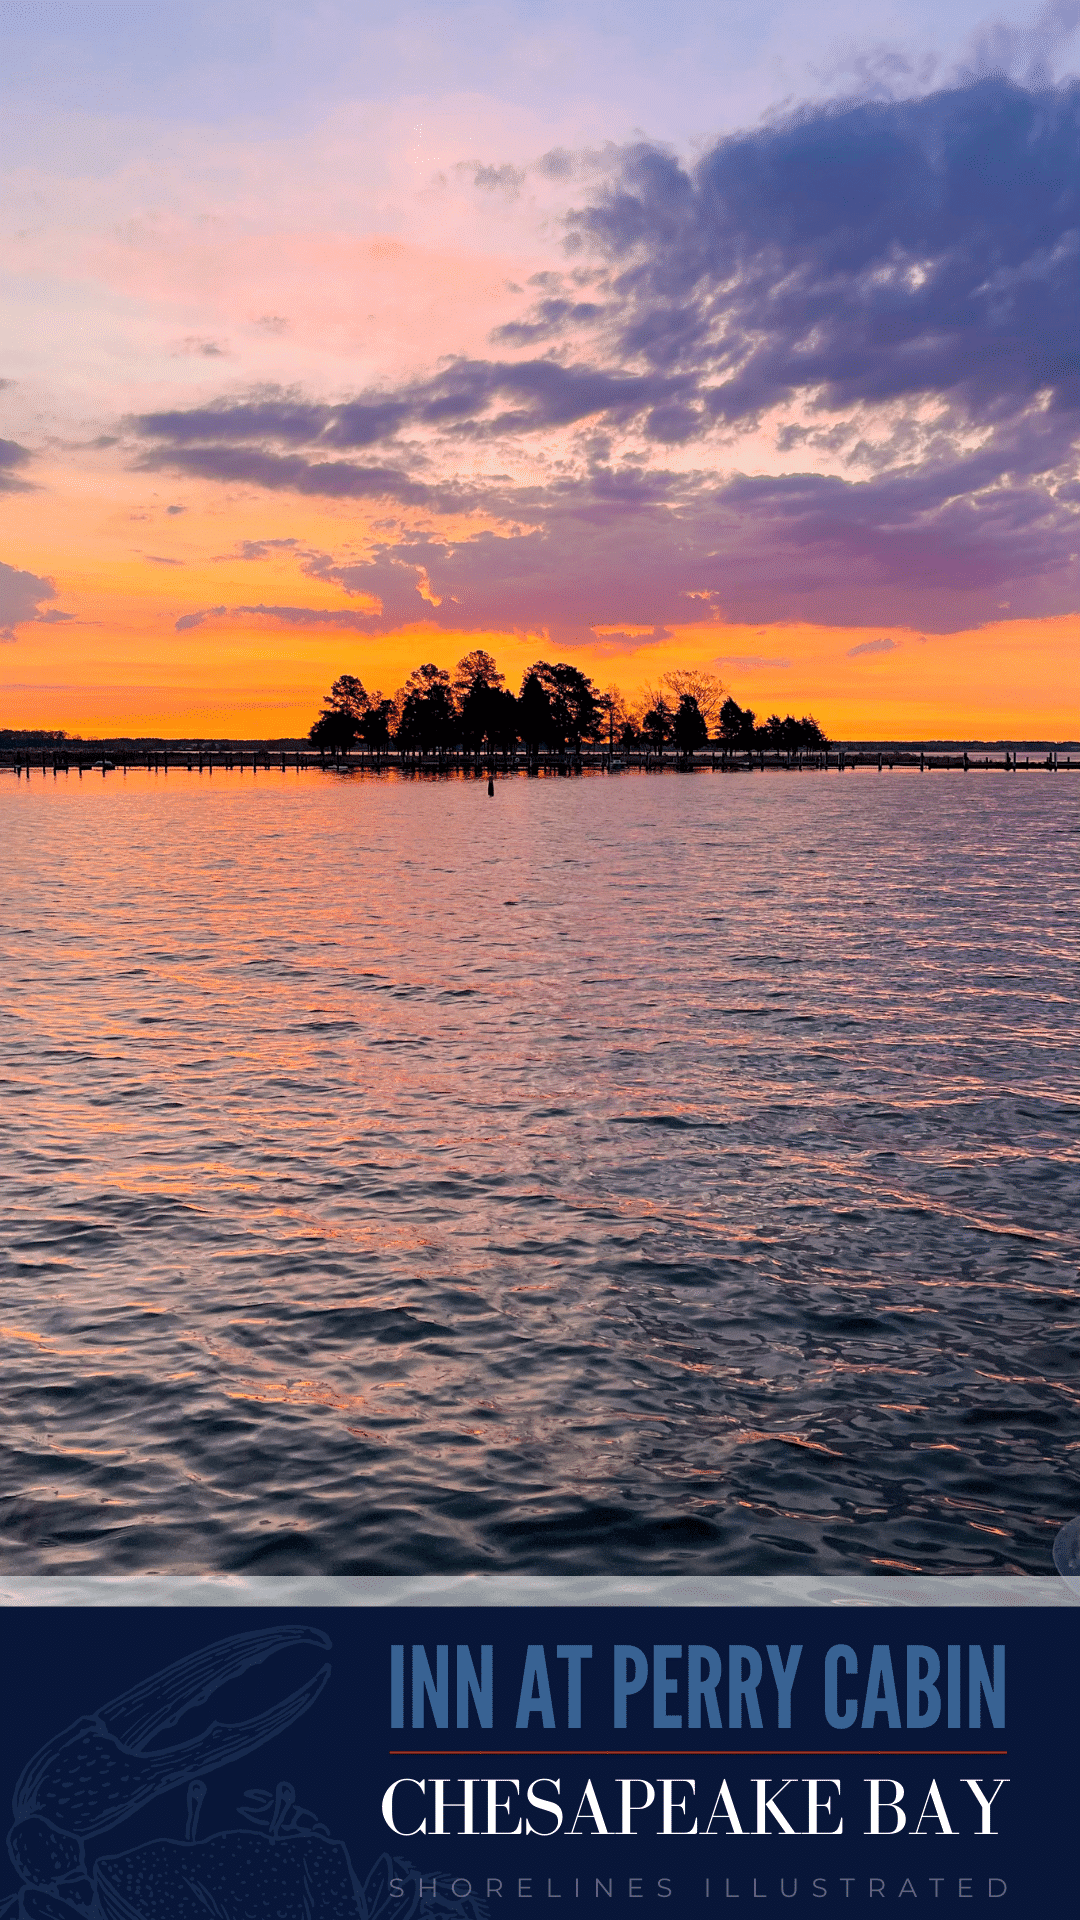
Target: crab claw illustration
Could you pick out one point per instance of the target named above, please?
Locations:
(102, 1768)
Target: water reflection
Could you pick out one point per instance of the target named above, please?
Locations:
(653, 1173)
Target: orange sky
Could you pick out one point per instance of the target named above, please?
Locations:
(125, 670)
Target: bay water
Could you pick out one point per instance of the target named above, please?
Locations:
(642, 1172)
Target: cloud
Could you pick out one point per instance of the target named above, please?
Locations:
(204, 349)
(21, 595)
(358, 622)
(189, 620)
(13, 458)
(621, 548)
(507, 179)
(860, 253)
(255, 466)
(873, 647)
(549, 317)
(466, 398)
(935, 547)
(890, 284)
(163, 560)
(258, 549)
(755, 660)
(1026, 52)
(172, 510)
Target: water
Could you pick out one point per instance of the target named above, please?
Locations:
(634, 1173)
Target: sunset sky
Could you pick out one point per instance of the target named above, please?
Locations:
(740, 335)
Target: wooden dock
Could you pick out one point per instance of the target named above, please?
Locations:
(93, 758)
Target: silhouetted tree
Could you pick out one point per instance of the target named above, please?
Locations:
(485, 709)
(535, 724)
(736, 724)
(339, 723)
(427, 720)
(333, 733)
(689, 728)
(501, 718)
(657, 725)
(614, 713)
(347, 695)
(558, 704)
(35, 736)
(475, 669)
(707, 689)
(375, 725)
(814, 739)
(575, 705)
(790, 735)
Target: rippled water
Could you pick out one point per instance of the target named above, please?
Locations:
(659, 1172)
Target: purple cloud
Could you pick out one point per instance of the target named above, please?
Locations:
(21, 595)
(189, 620)
(528, 396)
(861, 253)
(288, 616)
(873, 647)
(203, 349)
(288, 473)
(13, 458)
(258, 549)
(917, 255)
(751, 660)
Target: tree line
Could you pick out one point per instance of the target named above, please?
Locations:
(557, 707)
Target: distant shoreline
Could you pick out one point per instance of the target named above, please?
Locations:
(18, 740)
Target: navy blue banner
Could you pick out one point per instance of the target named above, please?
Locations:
(355, 1764)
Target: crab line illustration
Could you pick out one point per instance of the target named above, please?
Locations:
(98, 1772)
